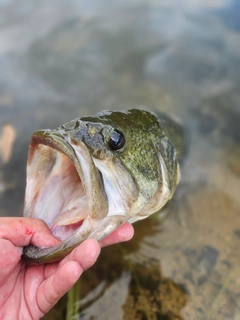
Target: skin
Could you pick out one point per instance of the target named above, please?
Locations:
(30, 291)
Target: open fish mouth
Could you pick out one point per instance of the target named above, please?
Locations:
(66, 189)
(61, 182)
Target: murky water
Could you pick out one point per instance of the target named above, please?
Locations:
(63, 59)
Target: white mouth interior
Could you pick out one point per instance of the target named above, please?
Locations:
(54, 192)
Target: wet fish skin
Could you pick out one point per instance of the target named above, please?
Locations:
(127, 165)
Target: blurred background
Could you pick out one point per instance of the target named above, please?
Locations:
(64, 59)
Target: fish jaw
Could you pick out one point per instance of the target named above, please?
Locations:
(63, 187)
(91, 228)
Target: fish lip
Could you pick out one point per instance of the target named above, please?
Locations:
(60, 142)
(54, 140)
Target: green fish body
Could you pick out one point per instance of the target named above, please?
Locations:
(92, 174)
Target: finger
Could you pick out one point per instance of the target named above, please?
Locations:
(23, 231)
(85, 253)
(123, 233)
(50, 268)
(53, 288)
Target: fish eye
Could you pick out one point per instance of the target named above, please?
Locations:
(116, 141)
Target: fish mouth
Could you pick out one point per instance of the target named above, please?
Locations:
(64, 187)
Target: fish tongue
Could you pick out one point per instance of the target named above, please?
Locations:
(72, 216)
(62, 232)
(70, 219)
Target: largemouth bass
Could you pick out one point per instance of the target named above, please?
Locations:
(92, 174)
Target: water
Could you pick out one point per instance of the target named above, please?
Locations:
(63, 59)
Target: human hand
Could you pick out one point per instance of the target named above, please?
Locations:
(30, 291)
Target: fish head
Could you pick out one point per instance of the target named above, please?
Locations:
(115, 164)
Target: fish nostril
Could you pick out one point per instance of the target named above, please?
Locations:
(71, 125)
